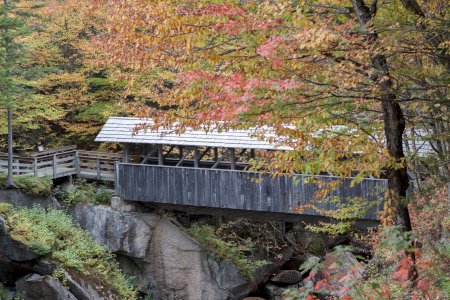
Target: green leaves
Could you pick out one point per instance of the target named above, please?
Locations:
(54, 233)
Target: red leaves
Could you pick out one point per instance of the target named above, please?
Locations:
(322, 284)
(267, 50)
(402, 270)
(424, 284)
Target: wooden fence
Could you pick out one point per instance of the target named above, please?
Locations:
(63, 162)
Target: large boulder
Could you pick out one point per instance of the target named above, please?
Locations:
(84, 290)
(124, 234)
(37, 287)
(275, 292)
(162, 257)
(287, 277)
(336, 266)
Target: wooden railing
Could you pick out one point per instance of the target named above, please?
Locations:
(62, 162)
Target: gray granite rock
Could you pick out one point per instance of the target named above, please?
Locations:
(37, 287)
(287, 277)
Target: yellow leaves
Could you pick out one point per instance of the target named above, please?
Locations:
(315, 39)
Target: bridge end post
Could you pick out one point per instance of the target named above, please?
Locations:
(77, 164)
(116, 178)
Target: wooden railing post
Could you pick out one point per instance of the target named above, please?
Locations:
(55, 163)
(15, 166)
(77, 164)
(97, 165)
(35, 167)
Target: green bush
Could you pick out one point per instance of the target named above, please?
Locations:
(207, 236)
(53, 233)
(38, 186)
(83, 192)
(5, 208)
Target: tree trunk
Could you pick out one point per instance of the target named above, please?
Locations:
(394, 121)
(9, 179)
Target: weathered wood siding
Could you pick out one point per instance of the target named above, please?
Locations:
(228, 189)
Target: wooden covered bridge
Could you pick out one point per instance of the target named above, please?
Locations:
(196, 172)
(207, 173)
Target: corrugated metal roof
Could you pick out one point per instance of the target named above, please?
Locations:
(120, 129)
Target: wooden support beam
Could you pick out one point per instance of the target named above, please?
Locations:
(148, 156)
(204, 153)
(196, 157)
(216, 154)
(241, 153)
(168, 152)
(180, 149)
(126, 152)
(181, 160)
(160, 155)
(232, 158)
(218, 161)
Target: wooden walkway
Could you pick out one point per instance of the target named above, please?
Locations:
(65, 161)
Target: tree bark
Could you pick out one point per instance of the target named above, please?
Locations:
(394, 121)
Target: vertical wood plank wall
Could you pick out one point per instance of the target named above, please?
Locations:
(228, 189)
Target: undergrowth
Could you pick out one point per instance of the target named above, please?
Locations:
(5, 295)
(53, 233)
(84, 192)
(404, 264)
(231, 250)
(37, 186)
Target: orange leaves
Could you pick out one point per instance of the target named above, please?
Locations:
(403, 269)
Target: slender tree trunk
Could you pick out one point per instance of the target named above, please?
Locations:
(394, 121)
(9, 179)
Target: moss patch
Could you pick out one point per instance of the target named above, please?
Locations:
(37, 186)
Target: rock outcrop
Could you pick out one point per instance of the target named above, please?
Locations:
(34, 286)
(164, 259)
(30, 274)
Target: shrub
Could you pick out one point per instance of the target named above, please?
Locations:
(53, 233)
(5, 208)
(84, 192)
(102, 196)
(207, 236)
(38, 186)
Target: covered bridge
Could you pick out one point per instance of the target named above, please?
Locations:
(203, 172)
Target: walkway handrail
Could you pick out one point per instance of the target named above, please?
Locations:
(64, 161)
(54, 151)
